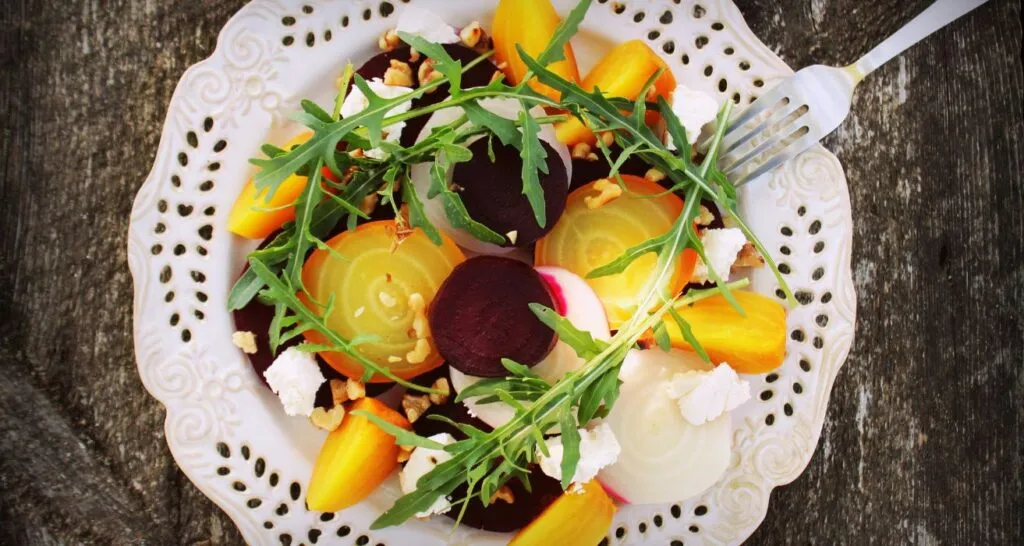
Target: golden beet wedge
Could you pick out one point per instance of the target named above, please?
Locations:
(255, 217)
(530, 24)
(755, 343)
(355, 458)
(581, 519)
(621, 73)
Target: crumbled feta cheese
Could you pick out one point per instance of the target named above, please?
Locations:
(695, 109)
(421, 461)
(722, 247)
(704, 396)
(356, 102)
(295, 377)
(598, 449)
(427, 25)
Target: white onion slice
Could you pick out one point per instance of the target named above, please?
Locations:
(583, 309)
(664, 457)
(420, 173)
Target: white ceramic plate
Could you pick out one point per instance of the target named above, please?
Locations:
(228, 433)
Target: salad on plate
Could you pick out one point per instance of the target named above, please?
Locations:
(518, 287)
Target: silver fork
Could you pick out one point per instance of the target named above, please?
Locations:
(809, 105)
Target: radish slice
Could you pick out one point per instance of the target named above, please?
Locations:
(664, 458)
(575, 300)
(420, 173)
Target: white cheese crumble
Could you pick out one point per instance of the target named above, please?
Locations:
(598, 449)
(421, 461)
(695, 109)
(722, 247)
(356, 102)
(295, 377)
(427, 25)
(703, 396)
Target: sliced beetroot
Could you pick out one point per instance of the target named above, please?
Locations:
(500, 516)
(493, 191)
(477, 76)
(585, 171)
(481, 314)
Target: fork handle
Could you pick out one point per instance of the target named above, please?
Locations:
(936, 16)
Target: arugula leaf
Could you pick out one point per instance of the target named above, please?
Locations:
(570, 446)
(402, 437)
(417, 216)
(518, 369)
(684, 329)
(661, 336)
(631, 254)
(555, 50)
(582, 342)
(534, 160)
(501, 127)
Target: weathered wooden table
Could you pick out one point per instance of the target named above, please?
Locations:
(924, 441)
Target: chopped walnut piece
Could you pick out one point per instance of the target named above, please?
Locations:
(355, 389)
(748, 257)
(608, 191)
(328, 419)
(654, 175)
(414, 56)
(399, 73)
(497, 76)
(608, 138)
(394, 359)
(471, 34)
(592, 157)
(427, 74)
(389, 41)
(420, 324)
(338, 393)
(503, 493)
(419, 353)
(369, 203)
(403, 453)
(357, 153)
(581, 150)
(705, 217)
(246, 341)
(502, 65)
(414, 406)
(441, 384)
(512, 236)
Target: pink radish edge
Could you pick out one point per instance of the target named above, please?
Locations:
(557, 293)
(612, 493)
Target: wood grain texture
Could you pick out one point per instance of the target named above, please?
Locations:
(923, 442)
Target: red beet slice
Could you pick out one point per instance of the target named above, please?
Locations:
(500, 516)
(481, 314)
(477, 76)
(493, 192)
(585, 171)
